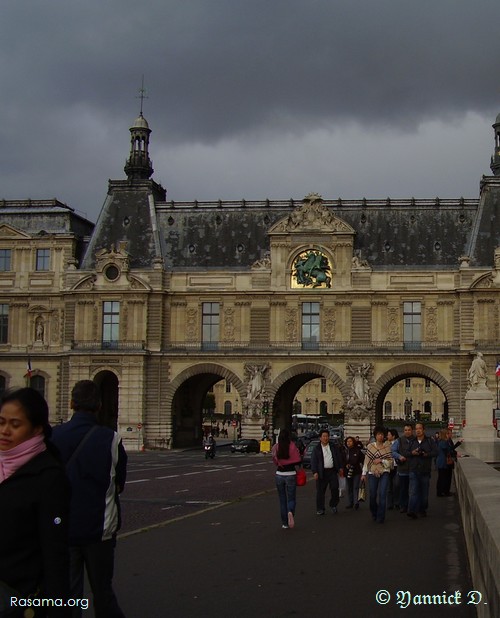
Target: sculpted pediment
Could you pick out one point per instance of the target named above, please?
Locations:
(7, 231)
(312, 216)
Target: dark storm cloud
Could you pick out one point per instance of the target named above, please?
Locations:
(219, 70)
(215, 67)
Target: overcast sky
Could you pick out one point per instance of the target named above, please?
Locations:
(249, 99)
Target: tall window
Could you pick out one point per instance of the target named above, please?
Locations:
(5, 255)
(412, 325)
(110, 323)
(323, 385)
(387, 409)
(228, 386)
(38, 383)
(310, 325)
(407, 385)
(210, 325)
(4, 323)
(43, 259)
(228, 408)
(427, 385)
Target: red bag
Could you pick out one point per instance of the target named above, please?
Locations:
(301, 477)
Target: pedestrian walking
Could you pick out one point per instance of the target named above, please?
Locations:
(286, 456)
(353, 468)
(96, 466)
(378, 464)
(422, 452)
(34, 512)
(401, 451)
(327, 462)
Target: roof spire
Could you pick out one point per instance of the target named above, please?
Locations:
(139, 164)
(142, 93)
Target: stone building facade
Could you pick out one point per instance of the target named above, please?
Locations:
(159, 300)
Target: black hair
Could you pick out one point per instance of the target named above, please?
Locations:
(34, 406)
(322, 431)
(283, 444)
(394, 432)
(379, 429)
(86, 396)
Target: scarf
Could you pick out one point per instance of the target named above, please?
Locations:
(14, 458)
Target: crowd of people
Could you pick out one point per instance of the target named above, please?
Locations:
(60, 508)
(394, 470)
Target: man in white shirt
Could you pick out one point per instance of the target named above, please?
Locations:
(326, 464)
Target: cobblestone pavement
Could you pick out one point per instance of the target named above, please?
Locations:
(162, 486)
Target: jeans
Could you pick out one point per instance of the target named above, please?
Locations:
(377, 486)
(98, 559)
(353, 489)
(286, 486)
(419, 492)
(330, 479)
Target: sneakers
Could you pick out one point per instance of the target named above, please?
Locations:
(334, 510)
(291, 521)
(320, 512)
(284, 527)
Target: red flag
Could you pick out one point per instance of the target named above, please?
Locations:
(28, 367)
(497, 371)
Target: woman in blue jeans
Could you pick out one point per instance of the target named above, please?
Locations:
(286, 456)
(377, 465)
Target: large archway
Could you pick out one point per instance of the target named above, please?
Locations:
(402, 372)
(186, 396)
(287, 384)
(108, 384)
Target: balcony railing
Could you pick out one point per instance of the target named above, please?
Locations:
(424, 347)
(111, 346)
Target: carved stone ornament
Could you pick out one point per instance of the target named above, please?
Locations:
(361, 396)
(115, 255)
(262, 264)
(312, 215)
(256, 379)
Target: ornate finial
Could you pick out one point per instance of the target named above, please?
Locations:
(142, 93)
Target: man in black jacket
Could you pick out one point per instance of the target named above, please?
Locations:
(422, 452)
(401, 451)
(326, 463)
(96, 467)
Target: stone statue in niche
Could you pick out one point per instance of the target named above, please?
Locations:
(39, 329)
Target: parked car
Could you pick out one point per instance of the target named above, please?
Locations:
(245, 446)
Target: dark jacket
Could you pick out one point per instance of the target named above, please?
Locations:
(317, 462)
(34, 518)
(402, 447)
(422, 462)
(354, 459)
(97, 476)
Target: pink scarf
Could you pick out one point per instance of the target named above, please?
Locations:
(13, 459)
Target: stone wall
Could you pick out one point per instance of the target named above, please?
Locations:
(478, 486)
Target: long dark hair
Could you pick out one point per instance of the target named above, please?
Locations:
(34, 406)
(283, 451)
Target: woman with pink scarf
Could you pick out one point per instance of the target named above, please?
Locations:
(34, 499)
